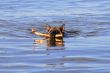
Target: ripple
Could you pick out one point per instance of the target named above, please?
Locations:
(86, 46)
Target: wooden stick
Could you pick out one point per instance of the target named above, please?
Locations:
(41, 34)
(44, 35)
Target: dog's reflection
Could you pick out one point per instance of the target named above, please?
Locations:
(50, 42)
(55, 42)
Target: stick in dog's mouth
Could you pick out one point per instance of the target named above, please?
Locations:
(51, 31)
(54, 35)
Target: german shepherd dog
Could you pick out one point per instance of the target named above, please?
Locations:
(54, 35)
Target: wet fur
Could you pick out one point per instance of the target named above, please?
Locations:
(51, 31)
(54, 35)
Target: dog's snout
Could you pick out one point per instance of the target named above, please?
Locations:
(54, 32)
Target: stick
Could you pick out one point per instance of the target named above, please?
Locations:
(44, 35)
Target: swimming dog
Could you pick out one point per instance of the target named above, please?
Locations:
(54, 35)
(51, 31)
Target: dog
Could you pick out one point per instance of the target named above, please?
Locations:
(54, 35)
(51, 31)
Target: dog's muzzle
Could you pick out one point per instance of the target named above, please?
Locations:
(54, 32)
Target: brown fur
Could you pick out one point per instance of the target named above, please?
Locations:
(56, 31)
(54, 35)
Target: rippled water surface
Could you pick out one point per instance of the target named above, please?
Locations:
(86, 45)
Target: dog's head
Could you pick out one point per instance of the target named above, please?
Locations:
(55, 30)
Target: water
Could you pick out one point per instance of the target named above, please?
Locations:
(87, 51)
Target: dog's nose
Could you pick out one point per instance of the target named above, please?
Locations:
(54, 32)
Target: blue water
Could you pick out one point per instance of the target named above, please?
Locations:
(87, 51)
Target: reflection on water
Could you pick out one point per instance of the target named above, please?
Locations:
(51, 43)
(77, 55)
(85, 49)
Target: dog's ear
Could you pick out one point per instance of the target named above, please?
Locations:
(62, 27)
(48, 26)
